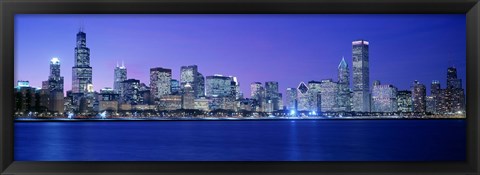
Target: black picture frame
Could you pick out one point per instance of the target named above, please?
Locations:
(9, 8)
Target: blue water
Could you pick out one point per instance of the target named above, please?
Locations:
(286, 140)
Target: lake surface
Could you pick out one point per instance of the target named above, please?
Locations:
(273, 140)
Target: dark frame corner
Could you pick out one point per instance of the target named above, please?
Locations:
(8, 9)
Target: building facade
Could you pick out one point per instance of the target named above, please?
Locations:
(160, 83)
(361, 76)
(419, 97)
(384, 98)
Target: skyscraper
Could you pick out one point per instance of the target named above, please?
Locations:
(120, 74)
(455, 95)
(419, 97)
(361, 77)
(55, 87)
(328, 91)
(255, 90)
(81, 71)
(190, 75)
(160, 83)
(344, 95)
(435, 100)
(291, 99)
(272, 94)
(302, 97)
(314, 97)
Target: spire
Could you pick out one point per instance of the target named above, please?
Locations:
(343, 64)
(123, 65)
(82, 27)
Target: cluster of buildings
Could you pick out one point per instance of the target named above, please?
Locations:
(222, 93)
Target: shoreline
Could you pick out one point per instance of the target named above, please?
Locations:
(217, 119)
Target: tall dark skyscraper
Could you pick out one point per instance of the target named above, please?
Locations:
(81, 71)
(120, 74)
(344, 95)
(361, 76)
(454, 95)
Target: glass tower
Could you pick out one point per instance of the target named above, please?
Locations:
(81, 71)
(361, 77)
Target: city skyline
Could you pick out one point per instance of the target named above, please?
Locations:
(103, 73)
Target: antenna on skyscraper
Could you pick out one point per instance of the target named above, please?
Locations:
(117, 63)
(123, 64)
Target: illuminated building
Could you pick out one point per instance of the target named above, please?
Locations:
(404, 101)
(431, 104)
(419, 97)
(174, 87)
(328, 96)
(190, 74)
(160, 83)
(272, 95)
(129, 92)
(55, 87)
(344, 95)
(81, 71)
(302, 97)
(384, 98)
(361, 76)
(202, 103)
(314, 95)
(188, 97)
(170, 102)
(120, 74)
(108, 94)
(291, 99)
(219, 86)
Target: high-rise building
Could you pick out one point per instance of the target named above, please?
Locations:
(272, 94)
(235, 88)
(344, 99)
(81, 71)
(455, 94)
(328, 97)
(190, 74)
(218, 86)
(384, 98)
(55, 87)
(257, 93)
(404, 101)
(120, 74)
(291, 99)
(55, 81)
(160, 83)
(314, 95)
(303, 97)
(256, 89)
(419, 97)
(188, 97)
(129, 92)
(361, 76)
(436, 100)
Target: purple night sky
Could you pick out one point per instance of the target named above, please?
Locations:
(284, 48)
